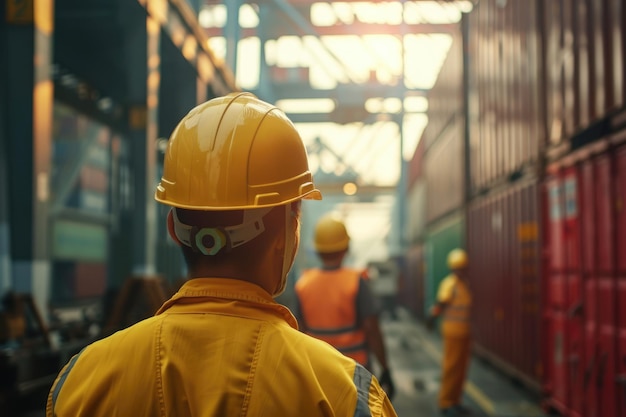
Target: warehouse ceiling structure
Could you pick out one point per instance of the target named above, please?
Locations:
(347, 73)
(353, 76)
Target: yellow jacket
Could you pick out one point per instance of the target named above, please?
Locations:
(218, 347)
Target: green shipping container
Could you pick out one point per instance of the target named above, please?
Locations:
(441, 237)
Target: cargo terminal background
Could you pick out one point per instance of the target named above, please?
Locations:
(493, 125)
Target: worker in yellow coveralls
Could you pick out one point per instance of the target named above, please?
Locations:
(235, 173)
(453, 304)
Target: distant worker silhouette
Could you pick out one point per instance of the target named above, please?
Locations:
(454, 302)
(235, 172)
(335, 303)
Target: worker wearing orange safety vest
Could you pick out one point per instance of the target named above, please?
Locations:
(335, 304)
(235, 172)
(454, 301)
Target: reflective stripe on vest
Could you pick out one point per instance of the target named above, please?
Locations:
(456, 316)
(328, 308)
(362, 381)
(63, 377)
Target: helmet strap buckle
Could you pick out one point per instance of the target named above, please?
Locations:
(211, 240)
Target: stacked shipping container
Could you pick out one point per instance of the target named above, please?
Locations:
(584, 72)
(503, 206)
(544, 188)
(435, 199)
(411, 280)
(79, 222)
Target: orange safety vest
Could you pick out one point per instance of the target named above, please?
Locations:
(456, 316)
(328, 310)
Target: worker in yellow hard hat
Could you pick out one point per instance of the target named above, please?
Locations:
(335, 303)
(235, 172)
(453, 304)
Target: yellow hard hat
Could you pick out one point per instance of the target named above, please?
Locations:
(331, 235)
(457, 258)
(235, 152)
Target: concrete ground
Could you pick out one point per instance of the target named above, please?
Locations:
(415, 357)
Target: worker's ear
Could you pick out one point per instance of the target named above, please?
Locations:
(170, 227)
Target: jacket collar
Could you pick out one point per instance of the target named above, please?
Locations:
(201, 291)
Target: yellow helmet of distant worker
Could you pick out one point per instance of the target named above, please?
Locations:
(331, 235)
(235, 152)
(457, 259)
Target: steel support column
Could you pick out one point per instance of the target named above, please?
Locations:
(143, 80)
(5, 249)
(232, 33)
(266, 84)
(28, 100)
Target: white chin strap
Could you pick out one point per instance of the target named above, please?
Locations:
(220, 237)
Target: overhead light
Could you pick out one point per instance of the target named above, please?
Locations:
(321, 105)
(349, 188)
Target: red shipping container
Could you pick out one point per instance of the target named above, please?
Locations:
(505, 134)
(503, 243)
(621, 281)
(416, 165)
(584, 63)
(443, 139)
(580, 301)
(590, 301)
(605, 275)
(575, 323)
(444, 169)
(580, 37)
(555, 298)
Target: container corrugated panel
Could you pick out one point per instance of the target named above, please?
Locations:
(552, 38)
(441, 238)
(505, 124)
(445, 98)
(443, 137)
(564, 347)
(581, 65)
(503, 245)
(584, 297)
(444, 173)
(598, 56)
(584, 63)
(416, 165)
(621, 281)
(416, 212)
(416, 196)
(588, 215)
(616, 38)
(411, 284)
(604, 273)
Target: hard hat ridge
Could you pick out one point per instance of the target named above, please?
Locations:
(235, 152)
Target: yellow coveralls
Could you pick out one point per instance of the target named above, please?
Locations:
(218, 347)
(456, 339)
